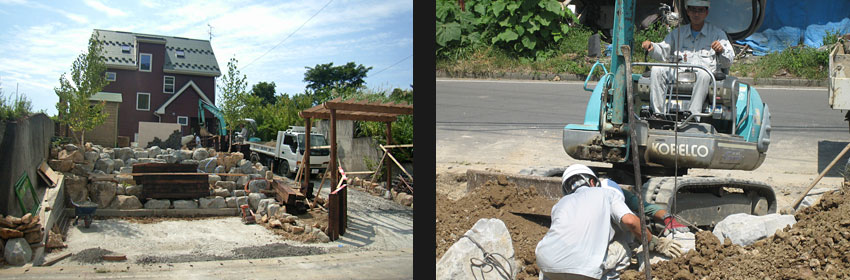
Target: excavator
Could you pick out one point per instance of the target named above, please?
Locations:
(731, 133)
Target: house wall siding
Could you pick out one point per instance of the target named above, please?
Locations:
(107, 133)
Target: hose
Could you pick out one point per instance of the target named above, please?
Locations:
(489, 262)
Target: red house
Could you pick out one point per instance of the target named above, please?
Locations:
(154, 78)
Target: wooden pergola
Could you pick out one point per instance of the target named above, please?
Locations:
(338, 109)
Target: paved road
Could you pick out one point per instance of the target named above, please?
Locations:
(511, 125)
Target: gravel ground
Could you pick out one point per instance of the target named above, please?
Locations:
(91, 255)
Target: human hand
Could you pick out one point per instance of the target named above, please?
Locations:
(646, 45)
(666, 246)
(671, 225)
(717, 47)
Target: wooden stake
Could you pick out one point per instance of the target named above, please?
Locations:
(396, 162)
(822, 173)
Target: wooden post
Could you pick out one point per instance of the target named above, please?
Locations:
(305, 184)
(332, 165)
(388, 165)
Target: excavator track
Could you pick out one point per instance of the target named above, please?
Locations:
(705, 201)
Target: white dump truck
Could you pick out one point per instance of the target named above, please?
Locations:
(286, 153)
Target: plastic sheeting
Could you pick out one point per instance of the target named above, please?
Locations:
(812, 36)
(801, 14)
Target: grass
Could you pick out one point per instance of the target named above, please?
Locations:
(795, 62)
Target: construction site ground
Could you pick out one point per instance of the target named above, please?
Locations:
(379, 228)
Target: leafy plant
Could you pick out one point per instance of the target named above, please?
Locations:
(455, 30)
(527, 28)
(87, 78)
(804, 62)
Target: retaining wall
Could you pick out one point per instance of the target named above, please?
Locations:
(25, 144)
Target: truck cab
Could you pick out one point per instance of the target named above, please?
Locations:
(292, 146)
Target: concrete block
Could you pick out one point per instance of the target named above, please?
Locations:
(490, 234)
(744, 229)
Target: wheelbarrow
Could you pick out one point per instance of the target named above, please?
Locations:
(84, 210)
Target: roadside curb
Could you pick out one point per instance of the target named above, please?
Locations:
(198, 212)
(555, 77)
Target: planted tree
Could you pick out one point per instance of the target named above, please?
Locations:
(233, 98)
(324, 79)
(87, 78)
(265, 91)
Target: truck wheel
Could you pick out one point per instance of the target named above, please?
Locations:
(284, 169)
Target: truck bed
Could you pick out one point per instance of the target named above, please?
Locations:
(264, 148)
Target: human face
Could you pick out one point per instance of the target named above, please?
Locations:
(697, 14)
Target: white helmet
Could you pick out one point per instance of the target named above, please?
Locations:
(576, 175)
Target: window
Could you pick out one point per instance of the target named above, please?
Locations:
(145, 61)
(183, 120)
(125, 48)
(181, 54)
(168, 84)
(143, 101)
(110, 76)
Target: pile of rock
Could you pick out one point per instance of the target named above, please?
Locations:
(19, 235)
(376, 189)
(290, 223)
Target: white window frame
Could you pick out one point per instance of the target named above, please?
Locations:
(180, 53)
(114, 76)
(125, 48)
(137, 101)
(185, 118)
(140, 62)
(173, 84)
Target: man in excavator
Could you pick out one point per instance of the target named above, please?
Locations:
(699, 43)
(579, 243)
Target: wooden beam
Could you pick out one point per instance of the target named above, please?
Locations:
(373, 117)
(396, 162)
(386, 108)
(398, 146)
(333, 167)
(388, 166)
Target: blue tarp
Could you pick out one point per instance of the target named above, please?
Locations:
(801, 14)
(771, 40)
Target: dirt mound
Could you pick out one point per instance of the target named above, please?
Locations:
(493, 200)
(91, 255)
(815, 247)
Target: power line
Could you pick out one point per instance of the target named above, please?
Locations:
(290, 35)
(391, 66)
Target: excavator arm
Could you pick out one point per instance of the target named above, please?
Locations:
(222, 126)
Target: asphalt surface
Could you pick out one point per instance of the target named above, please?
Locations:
(512, 125)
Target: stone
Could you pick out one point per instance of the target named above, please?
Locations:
(263, 207)
(17, 251)
(123, 153)
(83, 169)
(246, 167)
(387, 194)
(230, 201)
(141, 154)
(130, 162)
(70, 147)
(126, 170)
(275, 224)
(102, 193)
(158, 204)
(105, 165)
(34, 236)
(813, 197)
(744, 229)
(75, 156)
(207, 165)
(167, 158)
(212, 203)
(200, 154)
(61, 165)
(232, 178)
(8, 233)
(126, 202)
(214, 179)
(254, 200)
(269, 175)
(257, 185)
(241, 200)
(219, 169)
(407, 200)
(146, 160)
(135, 190)
(189, 161)
(125, 179)
(75, 188)
(119, 189)
(297, 229)
(154, 151)
(117, 164)
(261, 169)
(229, 185)
(272, 209)
(320, 236)
(239, 193)
(493, 236)
(92, 156)
(242, 180)
(185, 204)
(221, 192)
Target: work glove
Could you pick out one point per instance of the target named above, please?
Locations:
(671, 225)
(666, 246)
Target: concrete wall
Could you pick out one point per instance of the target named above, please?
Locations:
(26, 143)
(350, 150)
(149, 130)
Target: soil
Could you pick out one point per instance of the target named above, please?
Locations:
(815, 247)
(494, 200)
(91, 255)
(251, 252)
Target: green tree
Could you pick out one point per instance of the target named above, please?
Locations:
(234, 98)
(265, 91)
(87, 78)
(323, 79)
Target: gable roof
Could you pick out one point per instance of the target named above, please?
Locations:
(161, 109)
(199, 58)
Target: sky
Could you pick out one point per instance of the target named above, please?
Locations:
(272, 40)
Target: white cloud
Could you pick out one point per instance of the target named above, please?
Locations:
(110, 11)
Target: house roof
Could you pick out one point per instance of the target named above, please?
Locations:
(106, 96)
(161, 109)
(199, 58)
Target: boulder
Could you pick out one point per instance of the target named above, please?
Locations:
(126, 202)
(254, 200)
(262, 207)
(273, 209)
(158, 204)
(269, 175)
(117, 164)
(70, 147)
(407, 200)
(200, 154)
(126, 170)
(257, 185)
(189, 161)
(119, 189)
(813, 197)
(320, 236)
(219, 169)
(246, 167)
(75, 188)
(75, 156)
(212, 203)
(221, 192)
(92, 156)
(141, 154)
(61, 165)
(123, 153)
(105, 164)
(232, 178)
(168, 158)
(83, 169)
(146, 160)
(493, 236)
(8, 233)
(134, 190)
(241, 200)
(239, 193)
(230, 201)
(185, 204)
(229, 185)
(102, 193)
(744, 229)
(130, 162)
(275, 224)
(125, 178)
(214, 179)
(17, 251)
(154, 151)
(207, 165)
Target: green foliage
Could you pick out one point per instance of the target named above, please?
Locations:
(402, 128)
(456, 30)
(88, 77)
(13, 108)
(264, 91)
(527, 28)
(233, 97)
(655, 33)
(831, 37)
(804, 62)
(324, 78)
(272, 117)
